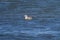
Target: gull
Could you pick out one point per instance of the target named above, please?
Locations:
(27, 17)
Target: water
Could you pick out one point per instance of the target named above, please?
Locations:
(45, 24)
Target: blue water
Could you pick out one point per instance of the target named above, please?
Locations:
(45, 24)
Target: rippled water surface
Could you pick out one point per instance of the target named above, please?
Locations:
(45, 24)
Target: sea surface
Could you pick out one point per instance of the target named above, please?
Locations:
(45, 23)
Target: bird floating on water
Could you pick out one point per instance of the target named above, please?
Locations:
(27, 17)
